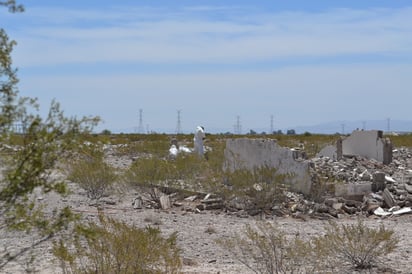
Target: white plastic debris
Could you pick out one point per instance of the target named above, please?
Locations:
(381, 212)
(184, 149)
(402, 211)
(173, 151)
(390, 179)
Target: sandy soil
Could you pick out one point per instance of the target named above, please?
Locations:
(197, 233)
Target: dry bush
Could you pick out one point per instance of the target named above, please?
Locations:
(187, 172)
(356, 245)
(115, 247)
(150, 174)
(93, 175)
(259, 190)
(266, 249)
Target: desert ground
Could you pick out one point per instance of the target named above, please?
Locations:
(197, 230)
(197, 233)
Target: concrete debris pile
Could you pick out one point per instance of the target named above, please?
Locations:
(371, 184)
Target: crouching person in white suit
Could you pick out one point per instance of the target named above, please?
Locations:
(198, 140)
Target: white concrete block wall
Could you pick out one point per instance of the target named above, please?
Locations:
(364, 143)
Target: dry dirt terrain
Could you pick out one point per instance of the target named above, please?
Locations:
(197, 233)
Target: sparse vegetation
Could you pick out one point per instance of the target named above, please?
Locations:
(355, 244)
(93, 175)
(266, 249)
(32, 153)
(259, 190)
(404, 140)
(187, 172)
(33, 146)
(150, 174)
(115, 247)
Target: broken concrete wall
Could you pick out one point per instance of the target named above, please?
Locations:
(254, 153)
(329, 151)
(369, 144)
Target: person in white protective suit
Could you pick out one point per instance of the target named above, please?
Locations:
(198, 140)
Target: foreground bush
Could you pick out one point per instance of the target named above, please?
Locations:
(356, 245)
(265, 249)
(115, 247)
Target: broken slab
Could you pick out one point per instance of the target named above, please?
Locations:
(254, 153)
(388, 198)
(165, 202)
(381, 212)
(366, 143)
(353, 191)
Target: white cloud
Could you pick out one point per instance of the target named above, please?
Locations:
(297, 93)
(119, 36)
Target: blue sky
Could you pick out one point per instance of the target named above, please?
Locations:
(302, 62)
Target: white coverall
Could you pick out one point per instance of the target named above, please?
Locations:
(198, 140)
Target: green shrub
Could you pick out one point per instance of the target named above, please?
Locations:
(186, 172)
(150, 174)
(115, 247)
(260, 189)
(93, 175)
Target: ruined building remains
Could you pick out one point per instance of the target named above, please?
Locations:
(254, 153)
(369, 144)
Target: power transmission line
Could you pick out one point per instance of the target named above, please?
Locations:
(179, 122)
(271, 124)
(141, 127)
(237, 126)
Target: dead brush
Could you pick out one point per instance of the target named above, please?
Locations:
(113, 246)
(355, 244)
(93, 175)
(265, 248)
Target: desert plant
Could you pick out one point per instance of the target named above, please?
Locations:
(33, 152)
(265, 249)
(115, 247)
(93, 175)
(355, 244)
(260, 189)
(150, 174)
